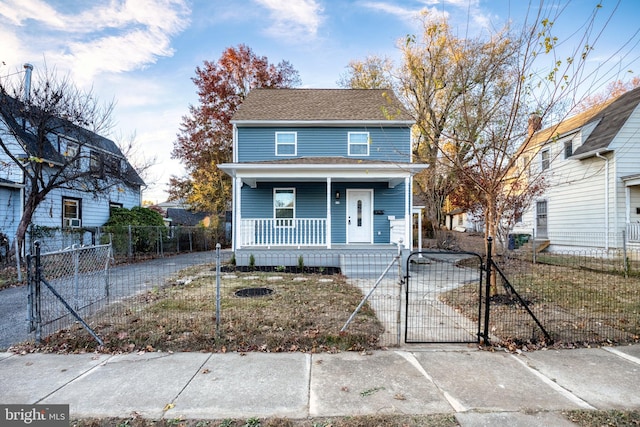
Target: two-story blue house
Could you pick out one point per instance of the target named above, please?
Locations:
(321, 168)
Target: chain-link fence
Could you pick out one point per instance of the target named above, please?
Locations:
(66, 286)
(131, 242)
(293, 299)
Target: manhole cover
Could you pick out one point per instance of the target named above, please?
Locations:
(253, 292)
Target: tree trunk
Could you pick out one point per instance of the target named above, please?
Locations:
(32, 202)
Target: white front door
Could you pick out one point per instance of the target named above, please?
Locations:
(359, 216)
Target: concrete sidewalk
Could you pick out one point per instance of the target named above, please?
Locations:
(479, 387)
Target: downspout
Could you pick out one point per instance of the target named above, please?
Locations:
(606, 199)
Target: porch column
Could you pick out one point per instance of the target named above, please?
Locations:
(237, 213)
(329, 212)
(408, 216)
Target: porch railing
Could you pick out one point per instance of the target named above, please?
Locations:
(267, 232)
(633, 232)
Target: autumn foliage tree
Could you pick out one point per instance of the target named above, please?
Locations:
(472, 97)
(206, 134)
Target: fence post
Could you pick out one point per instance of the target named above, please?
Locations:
(533, 245)
(18, 259)
(36, 303)
(130, 248)
(218, 290)
(76, 273)
(487, 294)
(624, 253)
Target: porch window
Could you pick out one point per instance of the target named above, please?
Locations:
(358, 143)
(284, 206)
(71, 212)
(286, 143)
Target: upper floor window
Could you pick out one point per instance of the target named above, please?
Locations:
(73, 152)
(284, 206)
(286, 143)
(95, 163)
(358, 143)
(71, 212)
(568, 149)
(545, 160)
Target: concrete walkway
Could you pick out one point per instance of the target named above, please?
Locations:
(480, 387)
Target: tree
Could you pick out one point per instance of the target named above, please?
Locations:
(206, 134)
(46, 134)
(373, 73)
(612, 91)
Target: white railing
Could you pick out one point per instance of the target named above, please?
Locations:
(633, 232)
(267, 232)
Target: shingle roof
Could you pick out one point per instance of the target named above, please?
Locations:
(611, 115)
(10, 109)
(611, 119)
(331, 160)
(185, 217)
(321, 105)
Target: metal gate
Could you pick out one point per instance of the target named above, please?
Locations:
(444, 301)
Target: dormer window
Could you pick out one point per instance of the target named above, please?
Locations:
(286, 143)
(358, 143)
(568, 149)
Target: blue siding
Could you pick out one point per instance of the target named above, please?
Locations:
(310, 200)
(387, 144)
(311, 203)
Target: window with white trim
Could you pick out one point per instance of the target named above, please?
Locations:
(545, 160)
(284, 206)
(71, 212)
(568, 149)
(358, 143)
(286, 143)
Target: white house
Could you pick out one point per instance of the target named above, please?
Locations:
(88, 174)
(591, 165)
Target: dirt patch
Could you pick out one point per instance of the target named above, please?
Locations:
(299, 315)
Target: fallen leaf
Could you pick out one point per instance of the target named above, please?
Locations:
(169, 406)
(205, 371)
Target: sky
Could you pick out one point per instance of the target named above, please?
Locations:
(142, 54)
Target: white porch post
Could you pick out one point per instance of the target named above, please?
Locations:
(237, 214)
(329, 212)
(408, 216)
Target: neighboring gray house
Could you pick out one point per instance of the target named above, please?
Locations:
(591, 163)
(321, 168)
(73, 205)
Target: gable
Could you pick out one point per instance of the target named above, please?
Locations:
(610, 121)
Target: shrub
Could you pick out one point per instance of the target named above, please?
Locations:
(147, 226)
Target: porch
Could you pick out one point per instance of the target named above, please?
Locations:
(633, 232)
(341, 256)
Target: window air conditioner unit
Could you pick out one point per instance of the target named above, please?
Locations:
(73, 222)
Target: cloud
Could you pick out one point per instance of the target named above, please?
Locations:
(108, 36)
(293, 20)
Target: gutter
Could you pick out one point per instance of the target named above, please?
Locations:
(606, 199)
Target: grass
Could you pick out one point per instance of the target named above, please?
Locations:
(436, 420)
(604, 418)
(610, 418)
(304, 313)
(575, 305)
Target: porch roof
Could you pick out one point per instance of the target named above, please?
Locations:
(316, 169)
